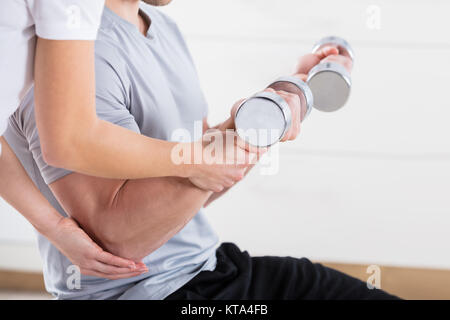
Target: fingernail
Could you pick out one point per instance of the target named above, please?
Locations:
(132, 266)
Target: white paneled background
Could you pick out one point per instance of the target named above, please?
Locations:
(368, 184)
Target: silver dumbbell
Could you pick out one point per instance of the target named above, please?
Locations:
(330, 82)
(264, 118)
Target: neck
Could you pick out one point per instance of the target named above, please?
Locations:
(128, 10)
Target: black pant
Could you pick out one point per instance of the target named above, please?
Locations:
(239, 276)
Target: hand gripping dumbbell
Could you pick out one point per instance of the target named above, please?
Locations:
(264, 118)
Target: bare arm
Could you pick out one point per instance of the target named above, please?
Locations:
(15, 182)
(68, 125)
(19, 191)
(74, 138)
(131, 218)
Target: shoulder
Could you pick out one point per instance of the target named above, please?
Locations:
(108, 38)
(111, 45)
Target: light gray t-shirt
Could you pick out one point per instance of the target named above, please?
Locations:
(147, 84)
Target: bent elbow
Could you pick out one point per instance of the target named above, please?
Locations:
(61, 152)
(52, 157)
(128, 246)
(124, 249)
(70, 149)
(56, 154)
(114, 238)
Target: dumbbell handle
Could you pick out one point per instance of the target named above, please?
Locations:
(342, 45)
(302, 86)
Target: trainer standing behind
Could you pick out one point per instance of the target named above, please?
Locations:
(34, 47)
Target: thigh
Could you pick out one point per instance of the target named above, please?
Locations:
(290, 278)
(239, 276)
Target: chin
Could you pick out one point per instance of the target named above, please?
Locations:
(158, 2)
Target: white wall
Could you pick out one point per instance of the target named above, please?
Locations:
(18, 249)
(367, 184)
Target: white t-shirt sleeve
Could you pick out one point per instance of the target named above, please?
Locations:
(66, 19)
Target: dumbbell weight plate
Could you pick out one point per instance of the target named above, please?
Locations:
(330, 84)
(264, 119)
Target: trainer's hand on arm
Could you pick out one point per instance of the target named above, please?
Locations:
(221, 149)
(19, 191)
(240, 149)
(220, 155)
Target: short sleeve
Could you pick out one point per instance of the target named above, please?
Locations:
(66, 19)
(16, 139)
(22, 135)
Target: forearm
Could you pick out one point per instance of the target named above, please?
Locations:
(152, 213)
(119, 154)
(130, 218)
(20, 192)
